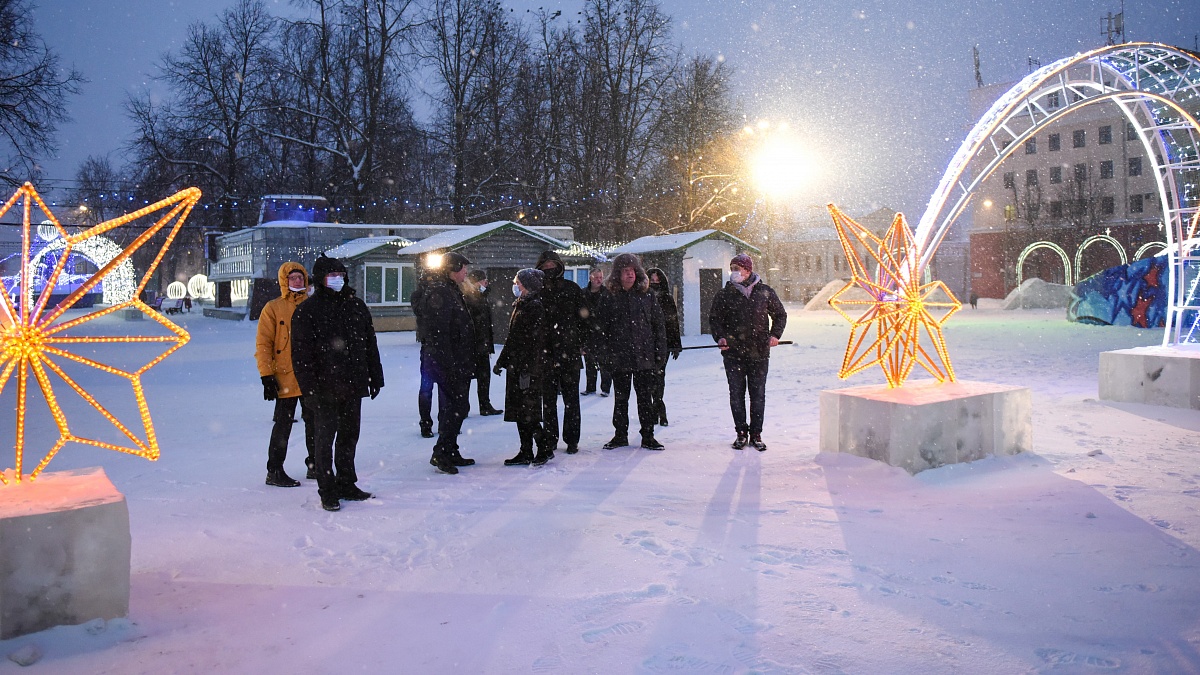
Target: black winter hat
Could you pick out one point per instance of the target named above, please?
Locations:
(453, 261)
(554, 257)
(531, 279)
(325, 266)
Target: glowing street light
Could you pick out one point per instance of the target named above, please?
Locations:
(781, 165)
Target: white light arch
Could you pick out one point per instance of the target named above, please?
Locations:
(1157, 88)
(1092, 240)
(1147, 246)
(1066, 260)
(119, 284)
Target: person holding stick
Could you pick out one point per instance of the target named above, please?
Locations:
(747, 319)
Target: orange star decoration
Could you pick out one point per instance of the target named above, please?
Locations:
(900, 316)
(32, 344)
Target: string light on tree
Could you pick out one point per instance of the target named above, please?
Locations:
(33, 342)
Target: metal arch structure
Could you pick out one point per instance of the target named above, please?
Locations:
(119, 285)
(1146, 247)
(1092, 240)
(1157, 89)
(1037, 245)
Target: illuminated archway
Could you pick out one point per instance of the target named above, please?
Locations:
(119, 285)
(1157, 88)
(1147, 246)
(1092, 240)
(1066, 260)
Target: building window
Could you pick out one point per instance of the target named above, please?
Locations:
(1135, 204)
(578, 274)
(389, 283)
(1010, 213)
(1054, 142)
(1130, 132)
(1056, 210)
(1081, 172)
(1106, 169)
(1031, 146)
(1056, 174)
(1010, 180)
(1135, 166)
(1107, 205)
(1105, 135)
(1078, 138)
(1052, 100)
(1031, 177)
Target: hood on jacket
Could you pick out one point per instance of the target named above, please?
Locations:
(665, 286)
(284, 270)
(641, 282)
(323, 267)
(551, 256)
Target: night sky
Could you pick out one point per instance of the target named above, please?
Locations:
(877, 89)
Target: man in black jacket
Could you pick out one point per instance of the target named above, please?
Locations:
(592, 298)
(336, 361)
(566, 330)
(661, 288)
(634, 347)
(475, 292)
(747, 319)
(449, 347)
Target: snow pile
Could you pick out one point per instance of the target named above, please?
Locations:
(1037, 294)
(699, 559)
(820, 301)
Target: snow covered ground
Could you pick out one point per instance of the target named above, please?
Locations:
(1077, 558)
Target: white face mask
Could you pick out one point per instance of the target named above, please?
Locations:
(482, 288)
(297, 289)
(516, 291)
(335, 283)
(737, 277)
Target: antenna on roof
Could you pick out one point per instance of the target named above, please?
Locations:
(1033, 62)
(978, 76)
(1113, 26)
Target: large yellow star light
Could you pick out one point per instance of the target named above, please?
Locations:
(898, 317)
(33, 345)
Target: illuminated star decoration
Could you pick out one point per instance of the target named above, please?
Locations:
(900, 316)
(33, 345)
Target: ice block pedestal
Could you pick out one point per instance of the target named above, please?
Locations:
(924, 424)
(1167, 376)
(64, 551)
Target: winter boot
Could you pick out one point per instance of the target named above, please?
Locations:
(487, 410)
(543, 456)
(330, 503)
(443, 463)
(524, 457)
(427, 430)
(458, 460)
(649, 443)
(572, 448)
(740, 442)
(617, 442)
(757, 441)
(353, 493)
(281, 479)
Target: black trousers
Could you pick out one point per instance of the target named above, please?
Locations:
(483, 380)
(453, 407)
(562, 381)
(592, 366)
(335, 441)
(660, 388)
(281, 431)
(425, 394)
(643, 383)
(533, 437)
(747, 376)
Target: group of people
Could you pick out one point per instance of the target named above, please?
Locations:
(316, 348)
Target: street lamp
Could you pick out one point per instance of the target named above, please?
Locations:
(781, 167)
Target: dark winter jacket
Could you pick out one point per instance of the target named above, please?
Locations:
(448, 344)
(592, 299)
(480, 308)
(666, 301)
(634, 336)
(566, 314)
(415, 300)
(747, 323)
(526, 359)
(334, 352)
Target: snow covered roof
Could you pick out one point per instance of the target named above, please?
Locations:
(662, 243)
(364, 245)
(467, 234)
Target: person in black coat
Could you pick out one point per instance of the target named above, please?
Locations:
(336, 361)
(425, 392)
(566, 330)
(526, 358)
(747, 319)
(592, 297)
(475, 293)
(634, 347)
(662, 290)
(449, 348)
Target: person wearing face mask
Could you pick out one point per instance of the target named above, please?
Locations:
(747, 319)
(527, 361)
(633, 347)
(475, 293)
(337, 364)
(273, 352)
(566, 316)
(662, 290)
(449, 350)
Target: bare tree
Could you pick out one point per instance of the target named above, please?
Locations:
(33, 90)
(100, 188)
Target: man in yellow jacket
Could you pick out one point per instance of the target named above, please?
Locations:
(273, 351)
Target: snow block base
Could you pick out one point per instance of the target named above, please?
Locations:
(64, 551)
(924, 425)
(1166, 376)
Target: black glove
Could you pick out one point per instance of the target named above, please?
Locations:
(498, 369)
(675, 353)
(270, 388)
(373, 389)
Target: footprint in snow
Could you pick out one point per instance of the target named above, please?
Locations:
(1063, 658)
(615, 630)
